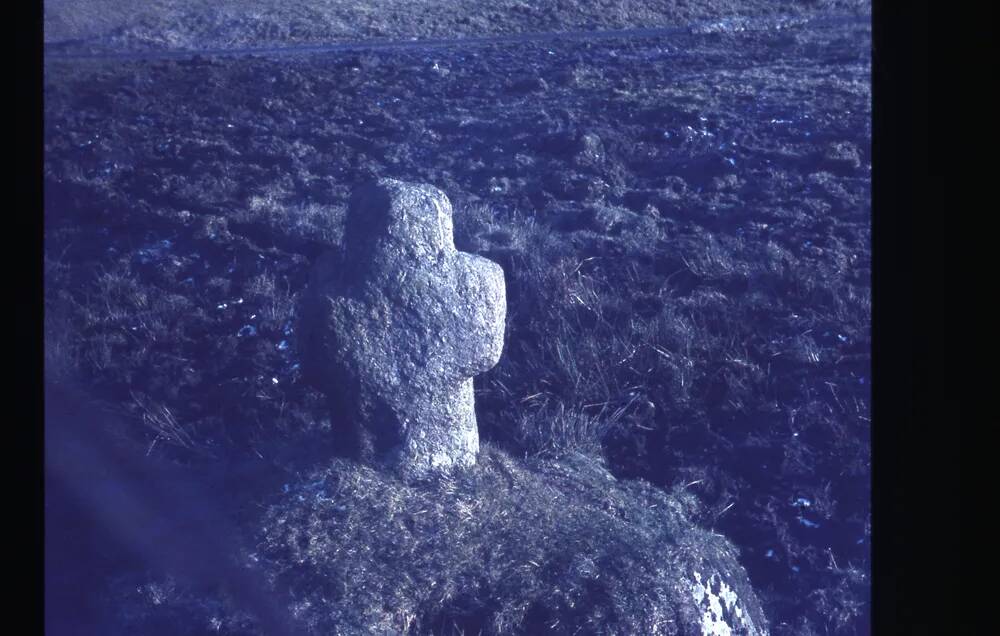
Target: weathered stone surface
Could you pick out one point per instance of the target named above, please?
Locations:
(395, 327)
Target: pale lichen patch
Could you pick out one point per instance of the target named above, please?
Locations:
(721, 614)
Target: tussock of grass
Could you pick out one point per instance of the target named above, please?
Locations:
(554, 431)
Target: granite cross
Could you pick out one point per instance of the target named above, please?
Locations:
(394, 330)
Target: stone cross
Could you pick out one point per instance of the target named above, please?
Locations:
(394, 329)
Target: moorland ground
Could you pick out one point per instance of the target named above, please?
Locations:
(683, 222)
(116, 25)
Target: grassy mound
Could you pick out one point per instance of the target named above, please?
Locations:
(509, 547)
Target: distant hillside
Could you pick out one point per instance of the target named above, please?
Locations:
(186, 24)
